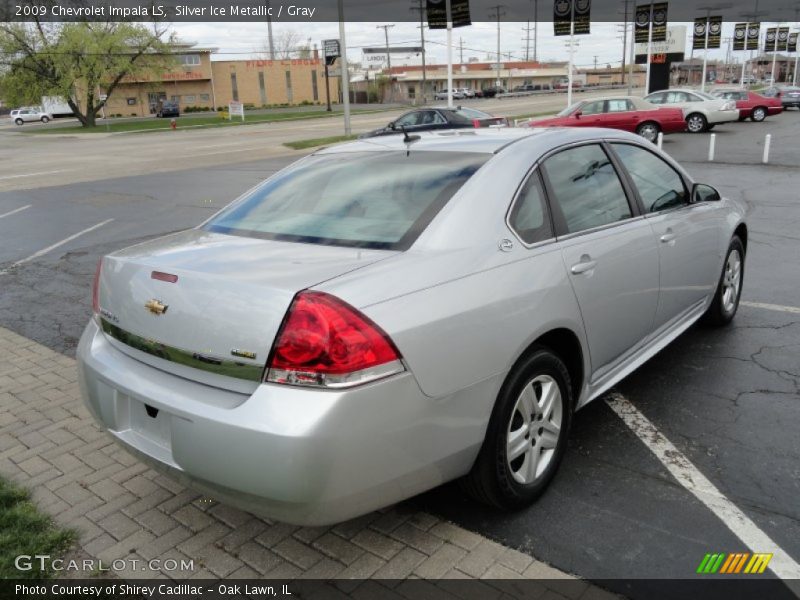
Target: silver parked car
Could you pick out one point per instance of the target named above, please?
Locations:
(702, 111)
(30, 114)
(380, 318)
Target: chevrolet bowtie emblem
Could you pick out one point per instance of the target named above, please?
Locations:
(156, 307)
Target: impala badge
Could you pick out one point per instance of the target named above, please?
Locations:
(156, 307)
(243, 354)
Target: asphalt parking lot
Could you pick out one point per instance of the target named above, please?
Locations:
(728, 400)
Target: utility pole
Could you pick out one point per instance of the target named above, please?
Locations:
(595, 62)
(269, 34)
(527, 39)
(535, 29)
(345, 77)
(498, 12)
(625, 40)
(421, 10)
(461, 50)
(388, 58)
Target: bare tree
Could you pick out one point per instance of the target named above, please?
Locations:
(286, 44)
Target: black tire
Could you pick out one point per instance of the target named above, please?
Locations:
(759, 114)
(19, 122)
(45, 119)
(491, 479)
(697, 121)
(649, 130)
(717, 313)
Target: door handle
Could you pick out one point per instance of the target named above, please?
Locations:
(583, 266)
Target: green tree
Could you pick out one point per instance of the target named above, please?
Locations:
(78, 61)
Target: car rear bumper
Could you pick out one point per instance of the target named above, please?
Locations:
(308, 457)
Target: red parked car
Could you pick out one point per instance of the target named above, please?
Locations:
(625, 112)
(750, 104)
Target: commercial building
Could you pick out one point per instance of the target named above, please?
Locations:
(198, 82)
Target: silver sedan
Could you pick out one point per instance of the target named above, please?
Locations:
(387, 315)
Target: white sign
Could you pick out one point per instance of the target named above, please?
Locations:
(674, 44)
(235, 108)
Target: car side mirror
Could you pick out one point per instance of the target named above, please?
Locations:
(704, 193)
(578, 114)
(391, 125)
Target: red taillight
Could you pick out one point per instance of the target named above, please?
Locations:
(325, 342)
(96, 288)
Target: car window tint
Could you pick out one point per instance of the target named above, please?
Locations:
(673, 97)
(592, 108)
(619, 105)
(655, 98)
(529, 217)
(409, 119)
(361, 199)
(659, 185)
(586, 188)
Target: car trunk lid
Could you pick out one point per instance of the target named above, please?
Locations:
(208, 306)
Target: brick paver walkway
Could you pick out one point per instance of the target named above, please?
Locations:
(121, 509)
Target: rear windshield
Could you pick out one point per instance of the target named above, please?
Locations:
(378, 200)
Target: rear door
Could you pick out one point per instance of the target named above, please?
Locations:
(685, 233)
(621, 114)
(609, 252)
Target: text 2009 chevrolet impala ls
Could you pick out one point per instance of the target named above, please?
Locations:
(384, 316)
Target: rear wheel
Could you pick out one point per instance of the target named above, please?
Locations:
(696, 123)
(729, 289)
(759, 114)
(648, 131)
(45, 119)
(527, 433)
(18, 121)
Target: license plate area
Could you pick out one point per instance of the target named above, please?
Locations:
(150, 423)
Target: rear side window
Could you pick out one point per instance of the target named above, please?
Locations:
(659, 185)
(378, 200)
(586, 190)
(529, 218)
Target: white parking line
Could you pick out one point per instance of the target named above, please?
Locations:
(56, 245)
(32, 174)
(15, 211)
(776, 307)
(694, 481)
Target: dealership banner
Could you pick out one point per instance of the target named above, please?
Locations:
(777, 39)
(646, 14)
(565, 12)
(739, 36)
(753, 34)
(711, 27)
(436, 11)
(792, 42)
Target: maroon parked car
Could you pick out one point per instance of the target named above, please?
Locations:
(625, 112)
(752, 105)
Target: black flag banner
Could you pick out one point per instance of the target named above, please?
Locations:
(753, 33)
(714, 32)
(739, 36)
(567, 11)
(792, 42)
(642, 23)
(699, 37)
(660, 22)
(769, 41)
(562, 17)
(437, 13)
(581, 10)
(783, 39)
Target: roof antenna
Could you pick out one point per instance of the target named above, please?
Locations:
(409, 139)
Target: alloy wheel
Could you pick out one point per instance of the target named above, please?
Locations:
(759, 114)
(731, 281)
(695, 124)
(649, 132)
(534, 429)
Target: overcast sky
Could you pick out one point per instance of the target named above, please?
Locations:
(245, 40)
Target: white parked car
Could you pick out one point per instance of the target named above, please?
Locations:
(442, 94)
(702, 111)
(467, 92)
(30, 114)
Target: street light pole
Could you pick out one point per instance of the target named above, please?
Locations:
(388, 59)
(345, 78)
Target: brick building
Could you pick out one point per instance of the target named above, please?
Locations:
(199, 81)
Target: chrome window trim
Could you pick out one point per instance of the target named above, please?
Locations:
(576, 234)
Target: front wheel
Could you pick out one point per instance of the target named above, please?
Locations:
(696, 123)
(18, 121)
(759, 114)
(648, 131)
(729, 289)
(527, 434)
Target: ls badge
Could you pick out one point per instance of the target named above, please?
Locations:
(156, 307)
